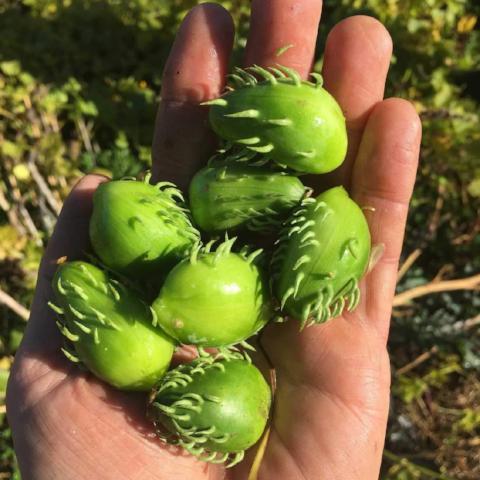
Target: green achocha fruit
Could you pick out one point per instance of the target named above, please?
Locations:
(109, 328)
(225, 197)
(321, 254)
(214, 407)
(138, 229)
(214, 298)
(296, 123)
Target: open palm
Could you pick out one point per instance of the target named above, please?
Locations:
(332, 380)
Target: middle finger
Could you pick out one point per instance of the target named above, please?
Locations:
(283, 25)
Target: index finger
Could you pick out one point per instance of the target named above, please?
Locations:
(195, 72)
(285, 32)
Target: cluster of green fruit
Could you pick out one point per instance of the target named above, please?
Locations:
(163, 284)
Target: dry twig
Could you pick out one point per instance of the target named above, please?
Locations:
(465, 325)
(84, 134)
(426, 472)
(417, 361)
(408, 263)
(42, 184)
(469, 283)
(13, 305)
(11, 214)
(18, 203)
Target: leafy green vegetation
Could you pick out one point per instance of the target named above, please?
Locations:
(79, 83)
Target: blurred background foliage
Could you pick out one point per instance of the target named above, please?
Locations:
(79, 84)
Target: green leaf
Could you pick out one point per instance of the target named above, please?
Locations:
(54, 101)
(11, 149)
(470, 420)
(21, 172)
(3, 384)
(409, 388)
(474, 188)
(10, 68)
(87, 108)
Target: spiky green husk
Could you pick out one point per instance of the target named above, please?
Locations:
(295, 123)
(139, 229)
(320, 256)
(108, 328)
(224, 197)
(214, 298)
(215, 407)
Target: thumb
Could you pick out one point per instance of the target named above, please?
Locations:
(70, 239)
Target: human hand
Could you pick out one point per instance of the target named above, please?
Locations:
(332, 393)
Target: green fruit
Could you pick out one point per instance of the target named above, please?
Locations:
(213, 407)
(321, 254)
(232, 196)
(295, 123)
(109, 328)
(214, 298)
(138, 229)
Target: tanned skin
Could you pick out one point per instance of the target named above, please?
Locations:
(333, 380)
